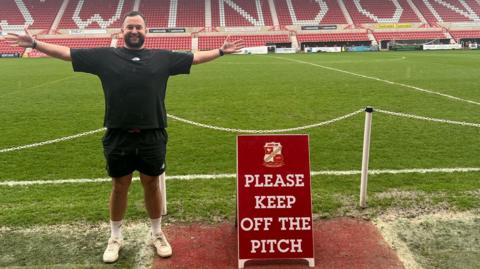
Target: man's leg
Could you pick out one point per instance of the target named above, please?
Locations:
(153, 204)
(118, 197)
(118, 206)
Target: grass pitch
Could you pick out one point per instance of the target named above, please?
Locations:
(43, 99)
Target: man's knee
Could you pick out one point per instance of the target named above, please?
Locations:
(121, 184)
(149, 181)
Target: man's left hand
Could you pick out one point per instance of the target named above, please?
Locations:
(229, 47)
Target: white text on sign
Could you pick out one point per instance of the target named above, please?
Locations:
(247, 224)
(274, 181)
(295, 223)
(273, 245)
(274, 201)
(286, 223)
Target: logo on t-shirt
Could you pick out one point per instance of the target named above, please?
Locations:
(135, 59)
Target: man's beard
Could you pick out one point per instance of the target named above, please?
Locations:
(134, 45)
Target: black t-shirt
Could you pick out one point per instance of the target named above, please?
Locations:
(134, 82)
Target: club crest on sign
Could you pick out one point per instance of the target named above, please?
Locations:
(273, 155)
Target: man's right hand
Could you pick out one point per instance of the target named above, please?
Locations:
(27, 41)
(15, 40)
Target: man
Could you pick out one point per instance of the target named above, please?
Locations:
(134, 81)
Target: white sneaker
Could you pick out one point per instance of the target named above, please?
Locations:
(111, 253)
(160, 242)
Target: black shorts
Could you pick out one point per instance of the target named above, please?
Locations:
(129, 150)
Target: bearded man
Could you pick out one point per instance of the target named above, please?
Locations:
(134, 81)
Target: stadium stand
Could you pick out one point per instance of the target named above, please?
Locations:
(212, 42)
(155, 12)
(92, 14)
(449, 10)
(380, 11)
(166, 42)
(465, 34)
(43, 12)
(419, 35)
(229, 13)
(73, 43)
(190, 13)
(4, 48)
(79, 42)
(333, 37)
(259, 22)
(36, 14)
(307, 12)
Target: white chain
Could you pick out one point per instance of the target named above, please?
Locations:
(189, 122)
(265, 131)
(51, 141)
(463, 123)
(476, 125)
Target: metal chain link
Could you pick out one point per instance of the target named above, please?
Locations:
(233, 130)
(51, 141)
(463, 123)
(188, 122)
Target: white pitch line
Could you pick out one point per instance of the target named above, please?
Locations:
(382, 80)
(12, 183)
(40, 85)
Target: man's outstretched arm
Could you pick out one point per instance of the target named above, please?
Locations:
(27, 41)
(228, 47)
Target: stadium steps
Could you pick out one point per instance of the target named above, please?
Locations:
(172, 15)
(347, 16)
(114, 42)
(372, 37)
(208, 14)
(273, 12)
(136, 5)
(194, 43)
(294, 40)
(59, 16)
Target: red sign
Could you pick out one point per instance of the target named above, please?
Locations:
(274, 204)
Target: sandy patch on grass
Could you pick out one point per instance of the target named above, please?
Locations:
(432, 240)
(82, 243)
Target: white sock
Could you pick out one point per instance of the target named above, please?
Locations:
(116, 229)
(156, 225)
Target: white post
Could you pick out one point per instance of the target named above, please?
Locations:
(163, 193)
(366, 153)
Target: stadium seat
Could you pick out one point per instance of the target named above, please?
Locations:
(212, 42)
(305, 12)
(110, 14)
(464, 34)
(380, 11)
(242, 13)
(169, 43)
(80, 42)
(449, 10)
(332, 37)
(422, 35)
(39, 14)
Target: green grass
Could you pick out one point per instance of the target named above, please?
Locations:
(43, 99)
